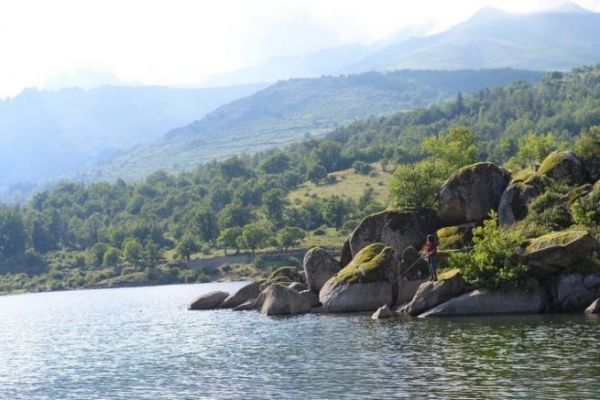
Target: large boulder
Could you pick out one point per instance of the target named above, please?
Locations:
(564, 166)
(517, 196)
(280, 300)
(345, 254)
(557, 250)
(363, 285)
(592, 166)
(471, 192)
(592, 281)
(431, 294)
(395, 228)
(248, 292)
(571, 293)
(209, 300)
(319, 266)
(455, 237)
(593, 308)
(404, 290)
(311, 297)
(487, 302)
(382, 312)
(285, 276)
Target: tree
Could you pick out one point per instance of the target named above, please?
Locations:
(335, 210)
(417, 185)
(274, 201)
(132, 250)
(205, 223)
(588, 143)
(276, 164)
(255, 235)
(152, 252)
(289, 236)
(186, 246)
(328, 154)
(12, 232)
(111, 257)
(456, 148)
(316, 173)
(532, 149)
(228, 238)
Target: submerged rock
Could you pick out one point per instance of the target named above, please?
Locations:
(395, 228)
(280, 300)
(431, 294)
(555, 251)
(571, 293)
(209, 300)
(564, 166)
(363, 285)
(486, 302)
(319, 266)
(471, 192)
(248, 292)
(382, 312)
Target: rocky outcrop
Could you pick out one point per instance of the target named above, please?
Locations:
(564, 166)
(455, 237)
(382, 312)
(470, 193)
(346, 254)
(395, 228)
(592, 281)
(249, 305)
(319, 266)
(593, 308)
(555, 251)
(285, 276)
(405, 290)
(363, 285)
(311, 297)
(486, 302)
(209, 300)
(592, 166)
(571, 293)
(280, 300)
(431, 294)
(517, 196)
(248, 292)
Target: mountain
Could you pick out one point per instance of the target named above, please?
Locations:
(560, 39)
(44, 134)
(291, 110)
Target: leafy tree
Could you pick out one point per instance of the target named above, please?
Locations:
(12, 232)
(276, 164)
(186, 246)
(533, 149)
(289, 236)
(454, 149)
(228, 238)
(328, 154)
(362, 167)
(132, 250)
(316, 173)
(274, 201)
(418, 185)
(111, 257)
(255, 235)
(152, 252)
(205, 223)
(588, 143)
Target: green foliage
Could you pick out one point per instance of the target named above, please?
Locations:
(186, 246)
(289, 236)
(588, 142)
(586, 209)
(228, 238)
(533, 149)
(362, 167)
(255, 235)
(494, 257)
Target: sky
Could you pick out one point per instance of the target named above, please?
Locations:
(184, 42)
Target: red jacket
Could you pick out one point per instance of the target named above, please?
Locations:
(430, 249)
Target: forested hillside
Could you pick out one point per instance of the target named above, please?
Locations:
(78, 235)
(291, 110)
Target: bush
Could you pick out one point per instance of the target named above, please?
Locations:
(494, 257)
(361, 167)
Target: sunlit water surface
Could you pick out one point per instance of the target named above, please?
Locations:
(142, 343)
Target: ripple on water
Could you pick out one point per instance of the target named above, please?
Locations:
(142, 343)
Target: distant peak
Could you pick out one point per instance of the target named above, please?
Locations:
(568, 7)
(489, 12)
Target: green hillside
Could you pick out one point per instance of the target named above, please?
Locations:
(87, 235)
(292, 110)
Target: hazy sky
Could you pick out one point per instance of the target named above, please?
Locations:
(187, 41)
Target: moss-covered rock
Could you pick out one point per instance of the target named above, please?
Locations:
(397, 228)
(471, 192)
(579, 192)
(564, 166)
(455, 237)
(555, 251)
(285, 275)
(518, 194)
(319, 266)
(363, 285)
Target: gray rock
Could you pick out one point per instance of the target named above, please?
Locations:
(593, 308)
(319, 266)
(280, 300)
(592, 281)
(406, 289)
(471, 192)
(285, 276)
(571, 293)
(592, 166)
(485, 302)
(297, 286)
(311, 297)
(209, 300)
(382, 312)
(248, 292)
(346, 254)
(355, 297)
(395, 228)
(249, 305)
(564, 166)
(431, 294)
(557, 250)
(517, 196)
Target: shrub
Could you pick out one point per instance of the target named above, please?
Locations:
(494, 257)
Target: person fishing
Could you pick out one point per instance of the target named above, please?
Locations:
(430, 254)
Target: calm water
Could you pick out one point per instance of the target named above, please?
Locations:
(142, 343)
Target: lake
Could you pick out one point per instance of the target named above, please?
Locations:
(142, 343)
